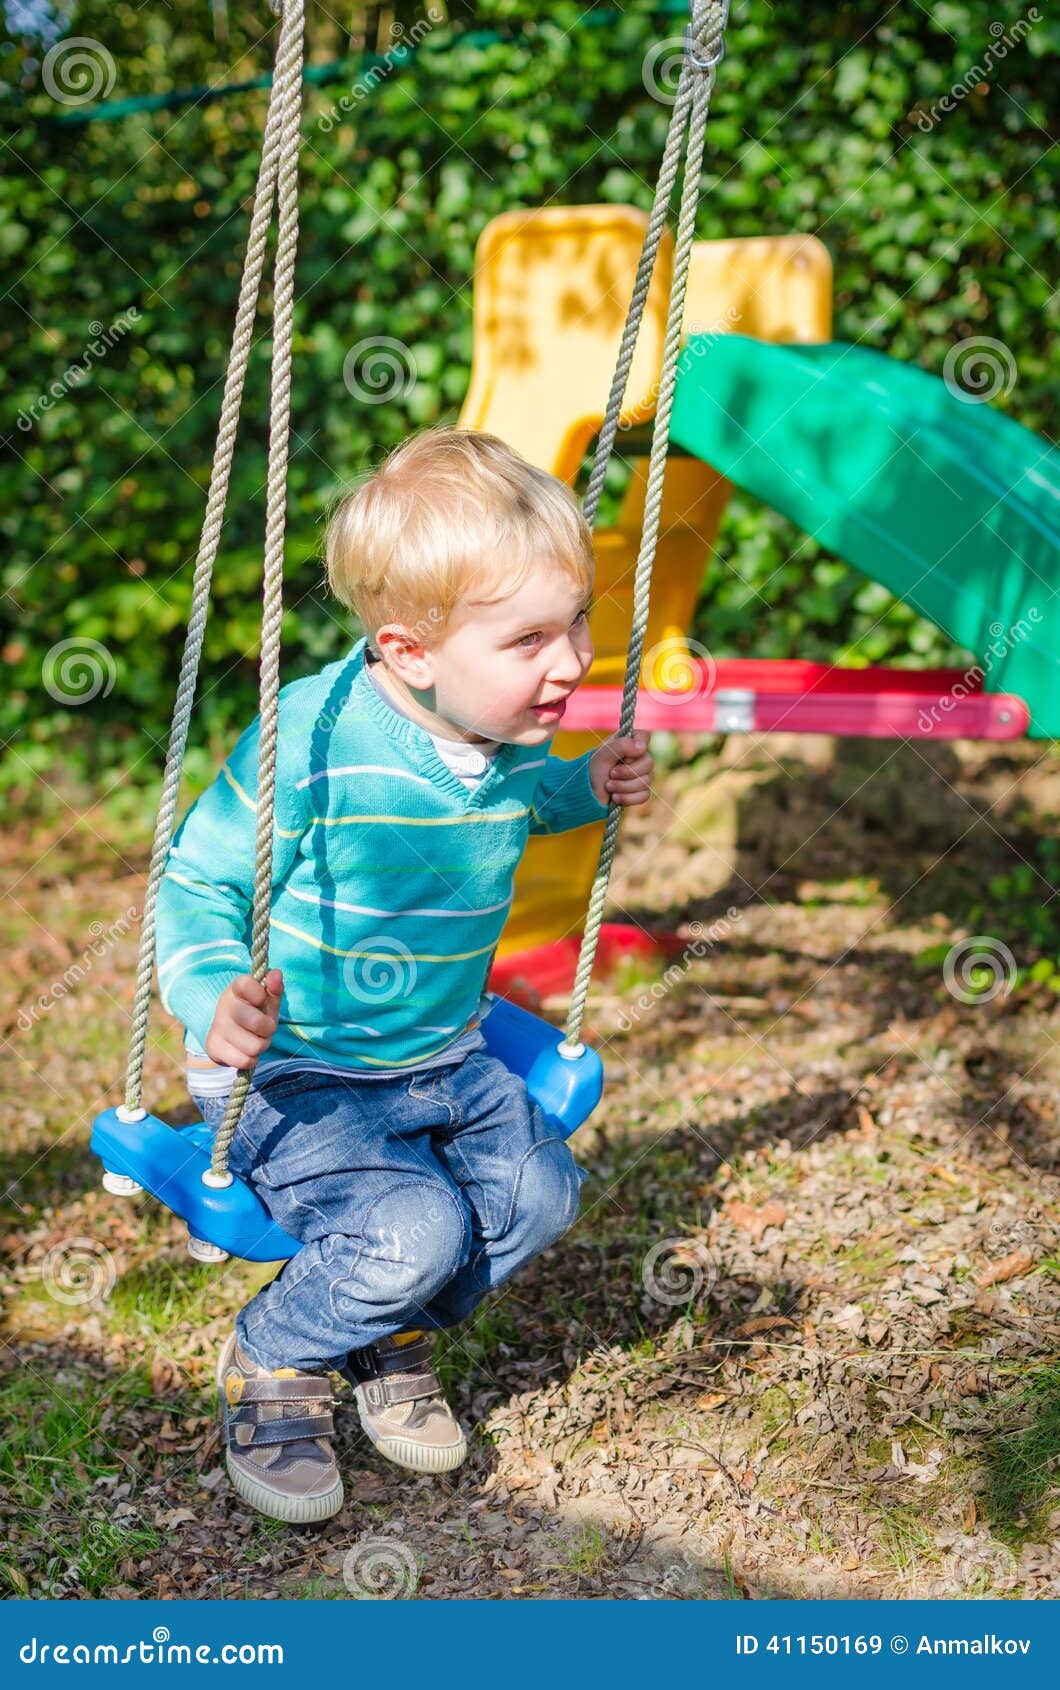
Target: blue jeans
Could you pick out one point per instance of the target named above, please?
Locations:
(412, 1197)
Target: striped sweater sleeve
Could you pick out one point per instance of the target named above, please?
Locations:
(565, 798)
(205, 896)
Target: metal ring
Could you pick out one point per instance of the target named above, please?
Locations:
(690, 53)
(693, 57)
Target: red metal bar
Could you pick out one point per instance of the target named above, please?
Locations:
(795, 675)
(761, 695)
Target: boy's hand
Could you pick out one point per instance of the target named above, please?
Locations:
(620, 770)
(245, 1020)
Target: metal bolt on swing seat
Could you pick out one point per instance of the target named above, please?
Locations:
(119, 1185)
(201, 1250)
(734, 710)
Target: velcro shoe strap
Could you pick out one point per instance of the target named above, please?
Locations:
(405, 1358)
(289, 1431)
(384, 1393)
(307, 1387)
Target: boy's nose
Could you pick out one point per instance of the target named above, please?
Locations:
(570, 665)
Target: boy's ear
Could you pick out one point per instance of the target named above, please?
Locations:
(405, 655)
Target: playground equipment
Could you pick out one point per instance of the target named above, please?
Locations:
(548, 318)
(952, 506)
(853, 446)
(227, 1218)
(186, 1169)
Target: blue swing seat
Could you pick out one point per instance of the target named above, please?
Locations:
(169, 1162)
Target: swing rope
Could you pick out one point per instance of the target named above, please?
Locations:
(704, 50)
(278, 180)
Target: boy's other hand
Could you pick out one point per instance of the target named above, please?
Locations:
(245, 1020)
(621, 769)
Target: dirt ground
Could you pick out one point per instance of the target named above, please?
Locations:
(804, 1339)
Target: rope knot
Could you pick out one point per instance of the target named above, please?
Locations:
(705, 39)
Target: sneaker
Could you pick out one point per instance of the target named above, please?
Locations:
(401, 1405)
(278, 1427)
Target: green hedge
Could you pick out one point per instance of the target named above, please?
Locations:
(937, 234)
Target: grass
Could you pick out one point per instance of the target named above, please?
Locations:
(867, 1260)
(94, 1566)
(104, 1549)
(584, 1556)
(459, 1355)
(54, 1172)
(581, 1316)
(55, 1433)
(858, 891)
(59, 1444)
(965, 1329)
(159, 1299)
(820, 1540)
(162, 1296)
(268, 1536)
(317, 1590)
(915, 1438)
(1022, 1466)
(775, 1408)
(631, 971)
(905, 1538)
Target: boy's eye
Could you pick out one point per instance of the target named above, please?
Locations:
(532, 639)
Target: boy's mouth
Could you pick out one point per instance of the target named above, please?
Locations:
(550, 712)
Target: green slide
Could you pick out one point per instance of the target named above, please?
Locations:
(951, 505)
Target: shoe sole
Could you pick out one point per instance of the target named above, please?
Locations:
(405, 1452)
(293, 1510)
(277, 1505)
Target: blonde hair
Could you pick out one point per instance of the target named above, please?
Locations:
(449, 509)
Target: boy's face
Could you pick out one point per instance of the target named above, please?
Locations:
(500, 670)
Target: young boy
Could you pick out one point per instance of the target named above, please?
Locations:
(378, 1130)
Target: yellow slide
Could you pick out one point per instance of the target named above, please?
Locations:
(551, 292)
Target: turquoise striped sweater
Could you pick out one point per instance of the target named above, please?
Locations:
(391, 880)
